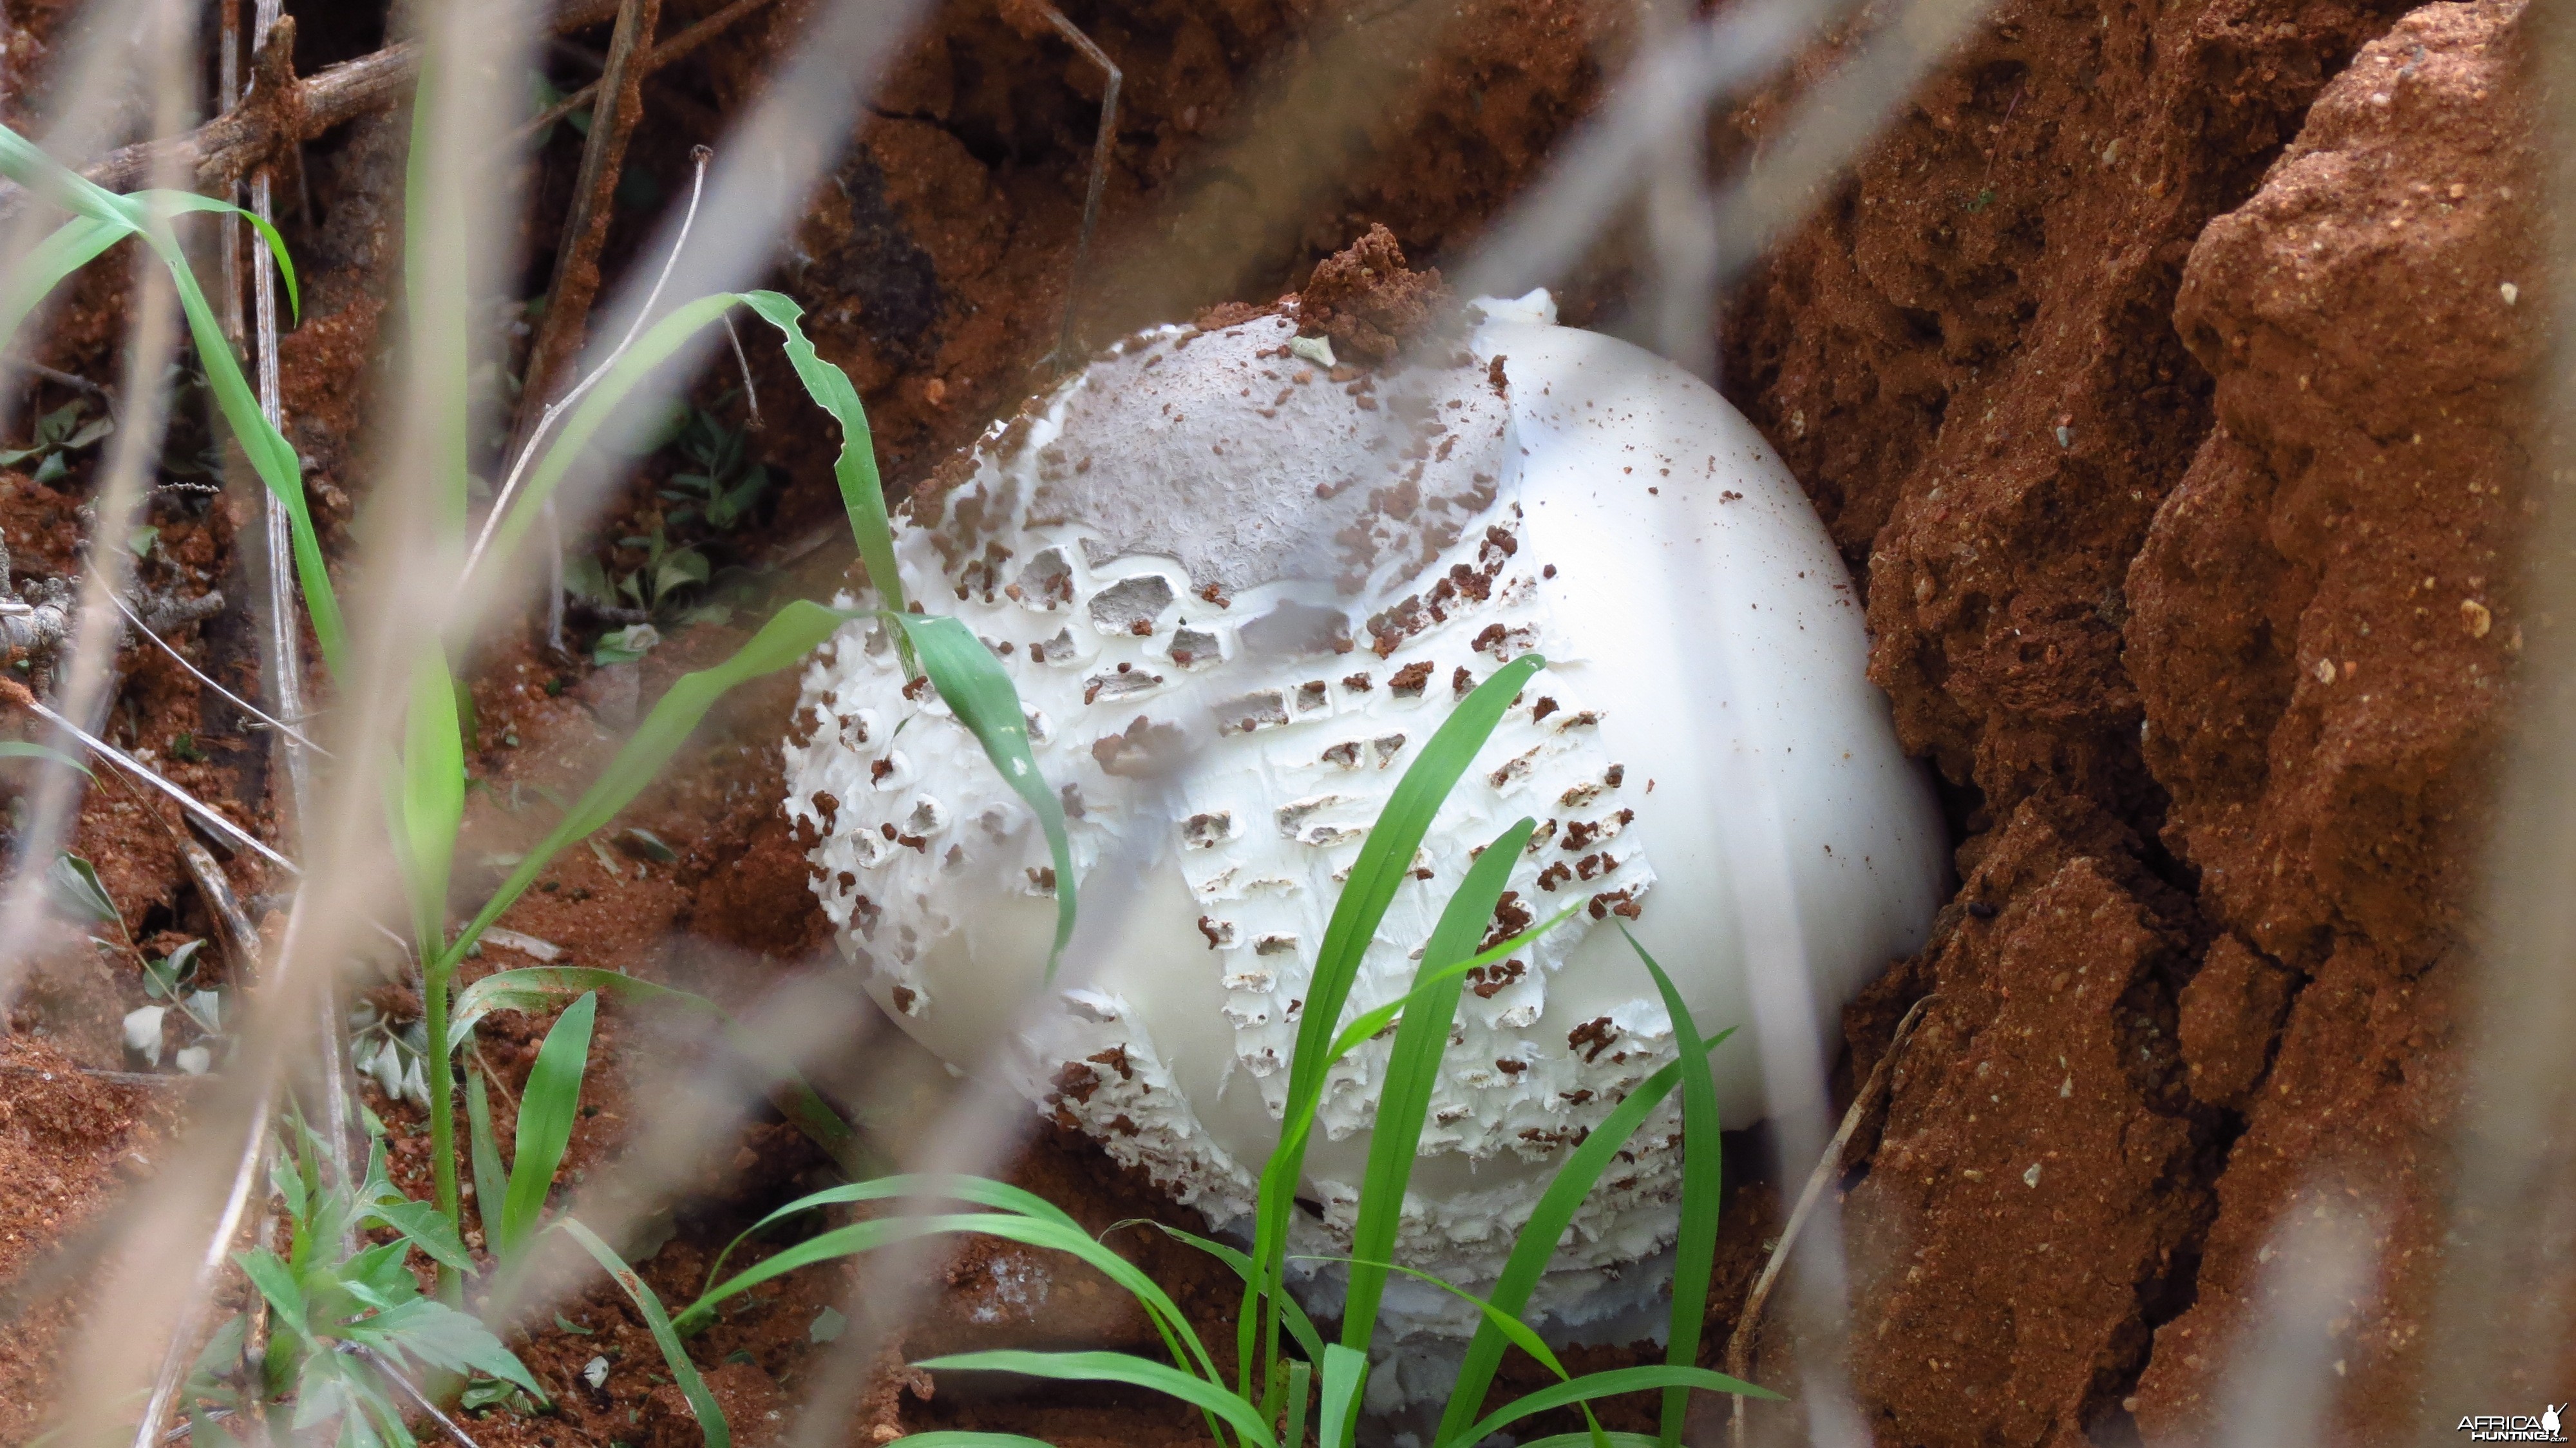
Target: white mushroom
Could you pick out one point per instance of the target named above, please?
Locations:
(1241, 589)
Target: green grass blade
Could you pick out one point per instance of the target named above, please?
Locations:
(1384, 860)
(434, 275)
(981, 1191)
(172, 203)
(1610, 1384)
(68, 248)
(1517, 1332)
(966, 1438)
(1536, 1244)
(1301, 1385)
(1428, 983)
(1177, 1334)
(1695, 1251)
(855, 468)
(1115, 1367)
(711, 1418)
(1345, 1369)
(1300, 1326)
(976, 690)
(1412, 1070)
(19, 749)
(433, 794)
(547, 1110)
(271, 456)
(491, 1179)
(28, 164)
(789, 635)
(544, 987)
(1593, 1440)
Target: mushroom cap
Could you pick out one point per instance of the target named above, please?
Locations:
(1237, 590)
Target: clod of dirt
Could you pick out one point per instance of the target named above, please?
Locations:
(2035, 1170)
(1367, 301)
(2238, 580)
(2318, 699)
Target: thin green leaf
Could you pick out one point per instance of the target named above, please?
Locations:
(1610, 1384)
(980, 1191)
(547, 1110)
(544, 987)
(1367, 1024)
(491, 1179)
(1178, 1336)
(1519, 1333)
(1301, 1385)
(1412, 1070)
(1385, 859)
(711, 1418)
(1695, 1252)
(176, 202)
(788, 636)
(1114, 1367)
(1593, 1440)
(862, 491)
(966, 1438)
(435, 274)
(1300, 1326)
(433, 794)
(146, 214)
(271, 456)
(1345, 1369)
(971, 681)
(1536, 1245)
(423, 1225)
(71, 246)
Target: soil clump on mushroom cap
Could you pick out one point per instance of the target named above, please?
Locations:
(1368, 301)
(2100, 460)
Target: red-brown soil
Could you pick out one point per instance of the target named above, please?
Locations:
(2161, 372)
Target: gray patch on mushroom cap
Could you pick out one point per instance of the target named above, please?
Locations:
(1207, 449)
(1121, 606)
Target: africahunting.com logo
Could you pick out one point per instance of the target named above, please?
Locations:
(2515, 1427)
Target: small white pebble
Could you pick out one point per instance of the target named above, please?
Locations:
(595, 1373)
(2511, 293)
(2030, 1178)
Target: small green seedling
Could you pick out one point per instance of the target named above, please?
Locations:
(350, 1333)
(720, 482)
(60, 433)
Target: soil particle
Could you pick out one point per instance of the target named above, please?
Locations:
(1367, 301)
